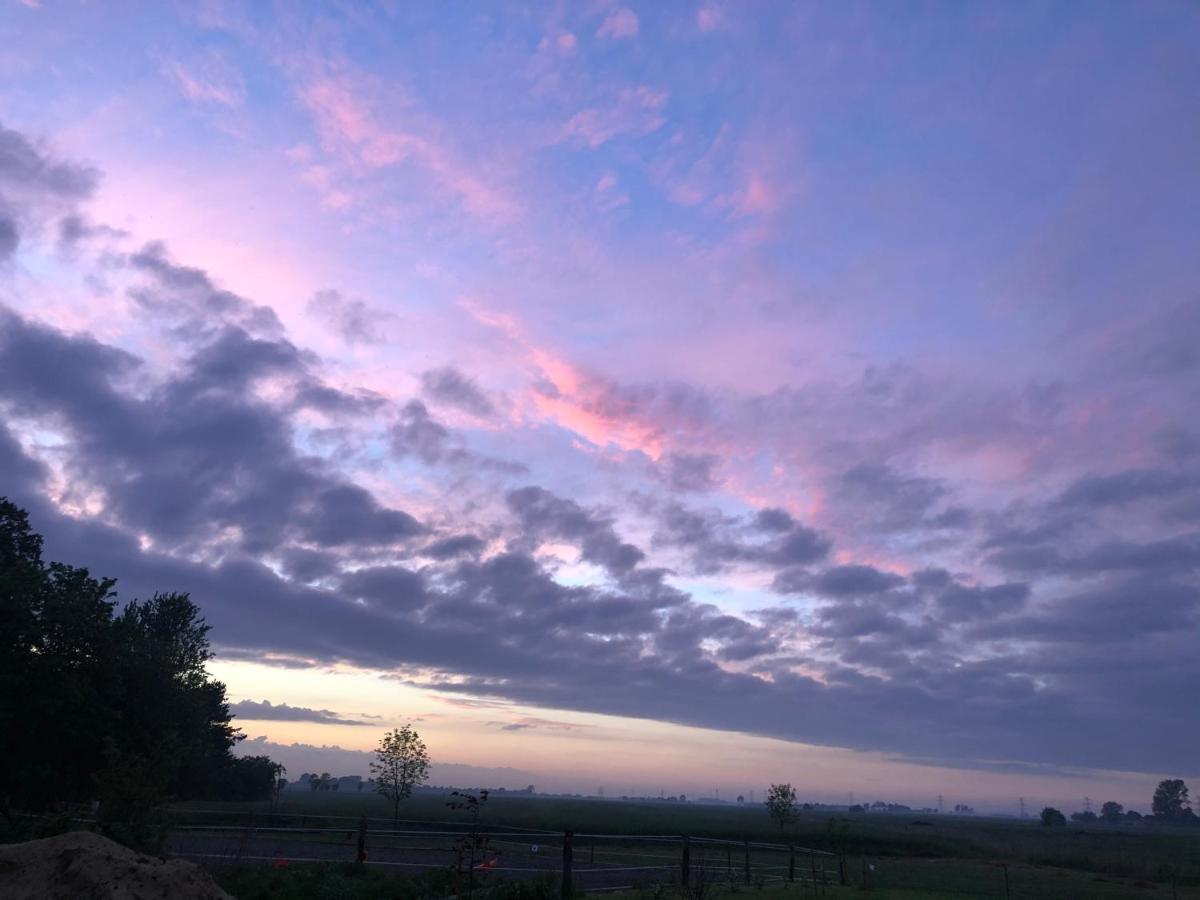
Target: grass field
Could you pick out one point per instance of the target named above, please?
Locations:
(913, 855)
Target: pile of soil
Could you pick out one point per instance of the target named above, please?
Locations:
(81, 864)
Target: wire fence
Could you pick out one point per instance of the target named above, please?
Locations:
(483, 853)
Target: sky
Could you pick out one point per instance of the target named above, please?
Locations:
(678, 397)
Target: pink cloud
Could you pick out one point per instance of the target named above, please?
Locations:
(209, 78)
(608, 194)
(710, 17)
(351, 127)
(636, 111)
(618, 24)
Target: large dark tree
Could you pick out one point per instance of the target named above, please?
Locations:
(96, 703)
(1171, 800)
(55, 677)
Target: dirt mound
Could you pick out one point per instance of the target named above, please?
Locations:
(82, 865)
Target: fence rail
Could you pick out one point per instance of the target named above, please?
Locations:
(578, 862)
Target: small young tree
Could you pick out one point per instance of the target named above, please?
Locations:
(781, 803)
(401, 761)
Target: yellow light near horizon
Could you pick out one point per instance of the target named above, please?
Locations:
(576, 751)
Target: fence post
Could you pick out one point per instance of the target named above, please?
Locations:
(1007, 892)
(746, 862)
(567, 889)
(791, 863)
(685, 862)
(362, 840)
(812, 858)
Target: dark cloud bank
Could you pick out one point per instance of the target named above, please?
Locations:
(1072, 653)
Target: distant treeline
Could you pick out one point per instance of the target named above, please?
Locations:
(1170, 805)
(106, 705)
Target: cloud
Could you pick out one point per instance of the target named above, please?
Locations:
(710, 17)
(620, 23)
(190, 297)
(208, 77)
(166, 460)
(1125, 487)
(449, 386)
(35, 187)
(542, 516)
(846, 581)
(196, 454)
(350, 114)
(634, 111)
(714, 541)
(690, 472)
(352, 320)
(28, 168)
(267, 711)
(454, 546)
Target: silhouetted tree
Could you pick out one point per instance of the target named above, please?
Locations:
(781, 804)
(100, 704)
(401, 761)
(56, 685)
(1052, 818)
(1112, 812)
(1085, 817)
(1170, 800)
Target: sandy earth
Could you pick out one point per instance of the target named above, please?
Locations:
(80, 865)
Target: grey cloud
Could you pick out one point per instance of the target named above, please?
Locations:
(1131, 607)
(9, 238)
(714, 540)
(1124, 487)
(1176, 554)
(843, 581)
(26, 167)
(888, 500)
(961, 602)
(545, 516)
(189, 296)
(353, 320)
(337, 403)
(392, 587)
(454, 546)
(266, 710)
(168, 460)
(75, 228)
(773, 519)
(689, 472)
(503, 628)
(417, 433)
(449, 386)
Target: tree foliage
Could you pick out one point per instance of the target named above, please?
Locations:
(108, 704)
(1171, 800)
(781, 803)
(401, 762)
(1112, 812)
(1053, 818)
